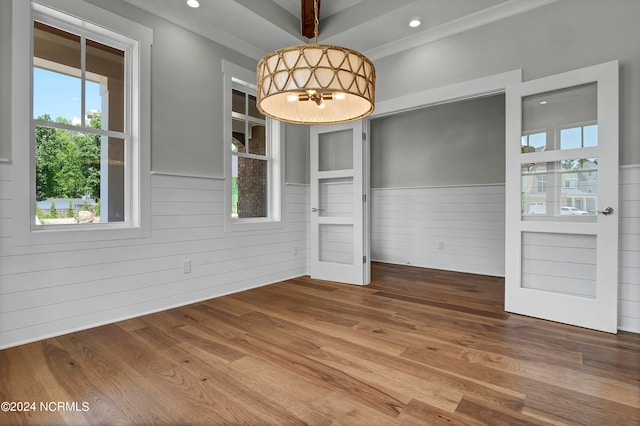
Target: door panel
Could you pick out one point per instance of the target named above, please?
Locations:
(338, 231)
(561, 173)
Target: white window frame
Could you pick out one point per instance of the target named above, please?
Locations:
(91, 21)
(241, 78)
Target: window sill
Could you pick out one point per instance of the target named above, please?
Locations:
(59, 234)
(258, 224)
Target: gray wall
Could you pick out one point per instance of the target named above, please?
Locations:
(186, 96)
(5, 79)
(559, 37)
(296, 153)
(451, 144)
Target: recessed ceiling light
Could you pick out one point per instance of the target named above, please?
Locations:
(193, 3)
(544, 102)
(414, 23)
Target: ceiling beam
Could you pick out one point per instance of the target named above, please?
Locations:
(308, 18)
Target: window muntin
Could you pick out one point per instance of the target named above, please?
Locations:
(242, 125)
(81, 135)
(250, 157)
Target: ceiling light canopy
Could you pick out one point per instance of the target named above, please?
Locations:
(316, 83)
(193, 3)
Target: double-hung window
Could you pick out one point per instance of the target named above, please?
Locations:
(89, 117)
(252, 145)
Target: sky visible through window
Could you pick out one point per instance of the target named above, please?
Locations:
(59, 95)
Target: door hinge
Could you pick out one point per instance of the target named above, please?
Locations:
(364, 136)
(364, 198)
(364, 259)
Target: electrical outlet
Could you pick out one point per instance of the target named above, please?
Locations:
(186, 266)
(440, 245)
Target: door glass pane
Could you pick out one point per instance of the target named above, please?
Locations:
(560, 119)
(336, 243)
(559, 263)
(335, 150)
(336, 197)
(563, 190)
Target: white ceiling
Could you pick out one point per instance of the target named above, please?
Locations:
(377, 28)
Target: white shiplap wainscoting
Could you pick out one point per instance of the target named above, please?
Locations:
(629, 243)
(461, 228)
(48, 290)
(457, 228)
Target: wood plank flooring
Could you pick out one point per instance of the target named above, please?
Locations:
(415, 347)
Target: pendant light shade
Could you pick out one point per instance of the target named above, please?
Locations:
(316, 83)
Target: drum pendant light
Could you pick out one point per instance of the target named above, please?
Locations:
(316, 83)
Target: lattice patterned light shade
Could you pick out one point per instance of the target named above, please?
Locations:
(316, 84)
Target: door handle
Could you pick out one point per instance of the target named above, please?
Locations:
(606, 211)
(313, 209)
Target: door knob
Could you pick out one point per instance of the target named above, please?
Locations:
(606, 211)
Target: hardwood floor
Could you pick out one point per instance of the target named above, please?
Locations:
(417, 346)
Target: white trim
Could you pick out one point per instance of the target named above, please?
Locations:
(99, 16)
(395, 188)
(484, 86)
(5, 160)
(630, 166)
(186, 175)
(296, 184)
(242, 78)
(599, 313)
(86, 17)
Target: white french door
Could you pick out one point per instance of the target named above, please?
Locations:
(339, 249)
(562, 198)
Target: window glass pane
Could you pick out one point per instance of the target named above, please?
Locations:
(251, 181)
(253, 109)
(112, 190)
(67, 171)
(238, 102)
(335, 150)
(56, 75)
(105, 76)
(566, 109)
(258, 140)
(567, 189)
(238, 136)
